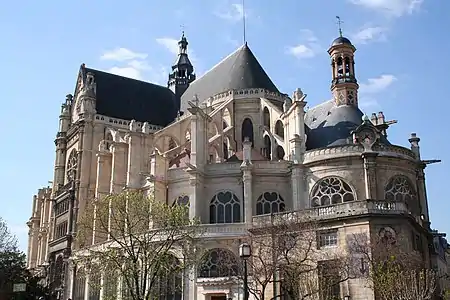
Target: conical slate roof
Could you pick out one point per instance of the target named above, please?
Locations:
(240, 70)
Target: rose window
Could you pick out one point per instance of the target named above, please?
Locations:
(72, 164)
(331, 190)
(269, 203)
(218, 263)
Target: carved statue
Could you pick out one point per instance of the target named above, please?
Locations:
(298, 94)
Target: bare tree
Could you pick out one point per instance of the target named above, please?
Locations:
(393, 271)
(8, 242)
(285, 255)
(139, 239)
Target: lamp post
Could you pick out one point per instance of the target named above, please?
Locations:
(244, 253)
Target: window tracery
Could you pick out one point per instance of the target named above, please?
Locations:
(269, 202)
(170, 282)
(182, 200)
(218, 263)
(225, 207)
(399, 188)
(72, 164)
(331, 190)
(79, 284)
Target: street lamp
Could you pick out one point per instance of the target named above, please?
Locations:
(244, 253)
(346, 297)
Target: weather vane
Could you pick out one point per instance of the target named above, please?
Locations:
(339, 22)
(182, 28)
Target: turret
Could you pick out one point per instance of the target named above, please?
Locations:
(182, 71)
(344, 85)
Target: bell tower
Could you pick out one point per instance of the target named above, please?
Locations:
(182, 71)
(344, 85)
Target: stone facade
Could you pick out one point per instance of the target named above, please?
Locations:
(225, 153)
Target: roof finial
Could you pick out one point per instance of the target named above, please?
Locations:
(243, 20)
(339, 22)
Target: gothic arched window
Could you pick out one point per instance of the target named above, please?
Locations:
(279, 129)
(269, 203)
(218, 263)
(58, 272)
(331, 190)
(399, 188)
(170, 283)
(182, 200)
(72, 164)
(225, 207)
(247, 130)
(79, 284)
(266, 117)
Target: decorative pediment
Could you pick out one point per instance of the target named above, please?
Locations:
(366, 134)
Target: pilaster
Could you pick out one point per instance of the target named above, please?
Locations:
(196, 187)
(370, 174)
(247, 181)
(134, 156)
(104, 166)
(199, 141)
(119, 165)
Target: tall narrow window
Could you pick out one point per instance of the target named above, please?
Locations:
(247, 130)
(266, 117)
(225, 207)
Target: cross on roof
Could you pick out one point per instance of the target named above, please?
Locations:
(339, 22)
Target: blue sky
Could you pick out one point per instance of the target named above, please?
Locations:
(401, 63)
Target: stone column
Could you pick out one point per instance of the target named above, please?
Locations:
(86, 286)
(370, 174)
(119, 166)
(195, 182)
(192, 283)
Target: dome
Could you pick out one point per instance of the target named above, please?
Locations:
(340, 41)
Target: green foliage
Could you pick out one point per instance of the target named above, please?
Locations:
(135, 237)
(13, 267)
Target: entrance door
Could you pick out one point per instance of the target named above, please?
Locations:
(222, 297)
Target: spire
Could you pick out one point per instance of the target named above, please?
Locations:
(182, 44)
(182, 71)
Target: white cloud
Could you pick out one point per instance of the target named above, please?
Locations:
(129, 72)
(233, 14)
(396, 8)
(377, 84)
(172, 46)
(369, 34)
(301, 51)
(133, 65)
(169, 43)
(122, 54)
(306, 49)
(369, 90)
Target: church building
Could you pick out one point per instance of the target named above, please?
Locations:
(234, 148)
